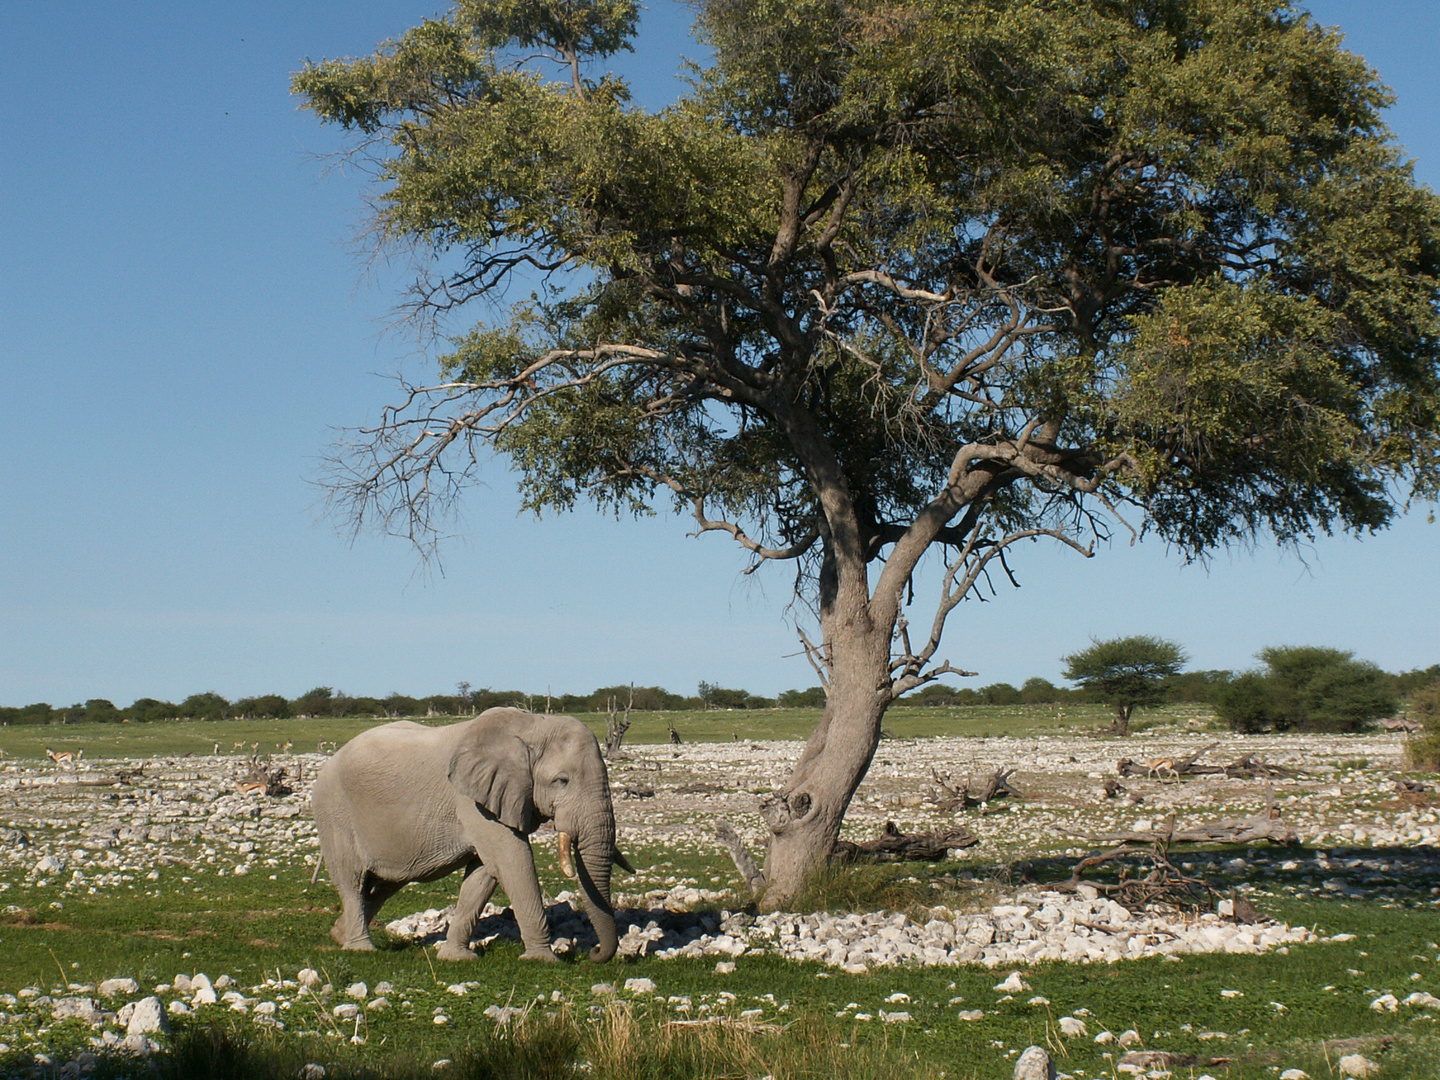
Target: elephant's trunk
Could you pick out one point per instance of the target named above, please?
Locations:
(593, 871)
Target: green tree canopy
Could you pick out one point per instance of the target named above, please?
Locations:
(1128, 673)
(893, 276)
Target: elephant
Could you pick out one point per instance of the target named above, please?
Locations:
(403, 802)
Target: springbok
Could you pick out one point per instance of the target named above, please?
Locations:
(1159, 767)
(250, 787)
(64, 759)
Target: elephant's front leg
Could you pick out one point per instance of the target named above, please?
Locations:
(474, 892)
(507, 854)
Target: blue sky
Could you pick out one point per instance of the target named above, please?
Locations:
(185, 319)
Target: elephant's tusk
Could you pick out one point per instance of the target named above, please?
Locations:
(623, 862)
(567, 861)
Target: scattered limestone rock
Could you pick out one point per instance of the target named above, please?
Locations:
(114, 987)
(147, 1016)
(1358, 1066)
(1034, 1064)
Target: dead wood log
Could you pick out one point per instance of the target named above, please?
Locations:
(754, 880)
(699, 788)
(1401, 723)
(894, 846)
(264, 778)
(950, 796)
(1249, 767)
(1113, 789)
(1266, 825)
(615, 727)
(638, 791)
(1164, 883)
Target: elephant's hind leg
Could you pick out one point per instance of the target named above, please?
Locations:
(351, 929)
(476, 889)
(375, 892)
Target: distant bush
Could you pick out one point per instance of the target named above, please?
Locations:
(1423, 751)
(1038, 691)
(1307, 688)
(812, 698)
(1425, 705)
(1247, 704)
(936, 694)
(1407, 683)
(1000, 693)
(1190, 687)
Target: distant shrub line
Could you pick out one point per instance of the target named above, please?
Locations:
(1301, 689)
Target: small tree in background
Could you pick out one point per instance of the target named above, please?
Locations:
(1126, 672)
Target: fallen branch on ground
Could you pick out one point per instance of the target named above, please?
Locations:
(894, 846)
(952, 797)
(1265, 825)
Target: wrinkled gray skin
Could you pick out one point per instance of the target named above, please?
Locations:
(404, 802)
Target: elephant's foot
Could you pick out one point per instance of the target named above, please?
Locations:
(448, 950)
(345, 941)
(542, 954)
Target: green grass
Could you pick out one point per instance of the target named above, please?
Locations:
(198, 737)
(257, 929)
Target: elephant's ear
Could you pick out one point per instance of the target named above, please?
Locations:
(491, 766)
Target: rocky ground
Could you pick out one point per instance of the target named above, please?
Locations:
(110, 825)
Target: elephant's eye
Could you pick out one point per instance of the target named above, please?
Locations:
(562, 780)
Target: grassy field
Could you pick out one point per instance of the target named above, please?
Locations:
(769, 1018)
(239, 736)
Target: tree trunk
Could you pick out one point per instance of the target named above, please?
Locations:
(1122, 720)
(805, 816)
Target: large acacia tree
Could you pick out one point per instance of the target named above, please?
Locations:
(903, 276)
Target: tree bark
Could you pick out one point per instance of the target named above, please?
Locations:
(806, 814)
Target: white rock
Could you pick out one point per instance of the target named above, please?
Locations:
(640, 986)
(725, 967)
(147, 1016)
(970, 1014)
(1294, 1074)
(1034, 1064)
(1071, 1028)
(112, 987)
(312, 1071)
(894, 1017)
(1384, 1003)
(307, 977)
(178, 1008)
(347, 1011)
(358, 990)
(1359, 1066)
(1015, 984)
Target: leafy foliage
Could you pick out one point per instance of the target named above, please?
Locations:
(1164, 253)
(1307, 688)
